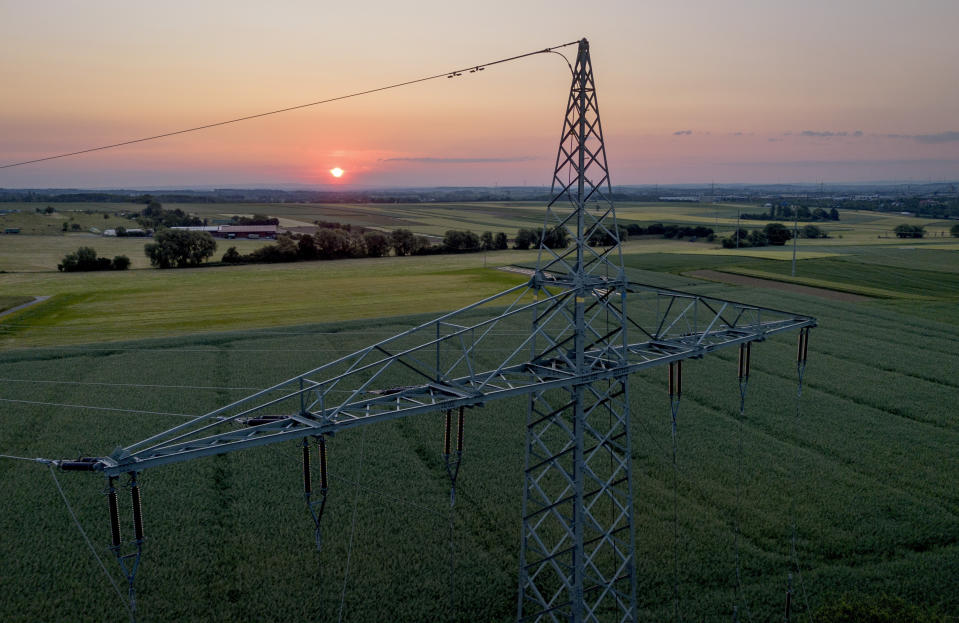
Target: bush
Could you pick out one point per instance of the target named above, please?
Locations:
(232, 256)
(777, 234)
(85, 259)
(910, 231)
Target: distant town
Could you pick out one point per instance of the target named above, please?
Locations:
(932, 199)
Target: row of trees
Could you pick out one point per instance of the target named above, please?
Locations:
(555, 238)
(801, 213)
(775, 234)
(333, 241)
(85, 259)
(326, 244)
(154, 216)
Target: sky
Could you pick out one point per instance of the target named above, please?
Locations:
(690, 91)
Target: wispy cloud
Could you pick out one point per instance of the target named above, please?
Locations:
(682, 132)
(828, 134)
(864, 163)
(941, 137)
(435, 160)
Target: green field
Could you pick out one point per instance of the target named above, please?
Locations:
(868, 471)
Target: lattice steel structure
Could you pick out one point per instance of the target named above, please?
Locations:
(568, 339)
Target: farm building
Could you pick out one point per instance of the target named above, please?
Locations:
(246, 231)
(236, 231)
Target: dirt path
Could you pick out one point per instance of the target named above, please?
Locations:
(742, 280)
(36, 300)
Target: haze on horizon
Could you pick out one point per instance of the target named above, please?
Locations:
(740, 91)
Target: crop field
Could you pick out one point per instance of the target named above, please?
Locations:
(865, 469)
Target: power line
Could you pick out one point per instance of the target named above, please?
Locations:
(448, 74)
(83, 533)
(68, 406)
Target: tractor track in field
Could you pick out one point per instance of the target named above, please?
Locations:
(743, 280)
(36, 299)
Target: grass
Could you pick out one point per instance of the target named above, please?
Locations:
(8, 302)
(104, 306)
(867, 470)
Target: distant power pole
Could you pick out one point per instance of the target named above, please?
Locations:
(795, 239)
(738, 211)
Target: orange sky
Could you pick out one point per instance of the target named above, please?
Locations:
(739, 91)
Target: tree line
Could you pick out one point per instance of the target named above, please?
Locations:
(789, 213)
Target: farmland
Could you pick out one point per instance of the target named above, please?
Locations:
(867, 471)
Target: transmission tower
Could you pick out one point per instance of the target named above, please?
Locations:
(568, 339)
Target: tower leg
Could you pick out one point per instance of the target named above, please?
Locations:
(577, 552)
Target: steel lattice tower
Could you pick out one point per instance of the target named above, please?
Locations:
(577, 553)
(567, 339)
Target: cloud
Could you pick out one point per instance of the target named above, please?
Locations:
(825, 134)
(928, 139)
(774, 140)
(863, 163)
(941, 137)
(682, 132)
(434, 160)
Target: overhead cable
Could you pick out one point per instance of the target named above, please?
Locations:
(446, 74)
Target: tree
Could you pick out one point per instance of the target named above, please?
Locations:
(306, 248)
(179, 248)
(232, 256)
(457, 241)
(486, 240)
(377, 244)
(756, 238)
(811, 231)
(402, 241)
(777, 234)
(556, 238)
(120, 262)
(910, 231)
(834, 214)
(500, 242)
(332, 244)
(525, 238)
(954, 231)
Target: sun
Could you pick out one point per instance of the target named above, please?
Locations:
(336, 172)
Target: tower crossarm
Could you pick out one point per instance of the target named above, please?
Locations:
(464, 359)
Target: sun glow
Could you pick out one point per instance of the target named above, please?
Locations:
(336, 172)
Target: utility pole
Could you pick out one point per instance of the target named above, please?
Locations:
(738, 212)
(795, 239)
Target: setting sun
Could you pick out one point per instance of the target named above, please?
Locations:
(336, 172)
